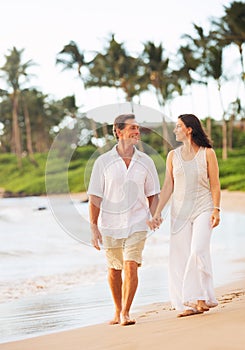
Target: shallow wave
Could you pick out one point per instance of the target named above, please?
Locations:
(51, 284)
(15, 253)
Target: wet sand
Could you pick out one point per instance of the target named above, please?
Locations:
(157, 326)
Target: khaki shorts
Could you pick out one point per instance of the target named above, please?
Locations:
(124, 249)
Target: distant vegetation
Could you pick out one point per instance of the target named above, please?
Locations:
(30, 180)
(30, 121)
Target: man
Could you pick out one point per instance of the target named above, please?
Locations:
(124, 187)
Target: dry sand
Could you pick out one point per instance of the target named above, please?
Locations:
(230, 201)
(157, 327)
(233, 201)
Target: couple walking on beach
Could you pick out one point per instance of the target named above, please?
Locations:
(125, 199)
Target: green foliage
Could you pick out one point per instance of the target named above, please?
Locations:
(84, 153)
(30, 180)
(235, 182)
(27, 181)
(232, 170)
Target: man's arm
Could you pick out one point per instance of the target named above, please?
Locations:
(94, 211)
(153, 202)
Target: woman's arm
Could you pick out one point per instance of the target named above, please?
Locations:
(213, 174)
(165, 193)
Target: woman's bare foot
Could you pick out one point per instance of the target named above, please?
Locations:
(189, 313)
(202, 306)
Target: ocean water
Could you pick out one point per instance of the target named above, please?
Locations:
(51, 279)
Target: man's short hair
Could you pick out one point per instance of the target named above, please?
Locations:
(120, 121)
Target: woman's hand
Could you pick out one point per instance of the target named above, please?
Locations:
(155, 222)
(215, 218)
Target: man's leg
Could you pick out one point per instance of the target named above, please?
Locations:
(114, 256)
(115, 283)
(133, 249)
(128, 290)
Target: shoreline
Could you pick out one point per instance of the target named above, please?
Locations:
(157, 326)
(233, 201)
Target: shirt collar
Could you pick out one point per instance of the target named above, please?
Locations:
(114, 152)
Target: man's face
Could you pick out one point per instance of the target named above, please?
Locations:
(131, 132)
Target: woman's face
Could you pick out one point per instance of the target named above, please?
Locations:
(181, 131)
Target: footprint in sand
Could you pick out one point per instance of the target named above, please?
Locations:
(227, 298)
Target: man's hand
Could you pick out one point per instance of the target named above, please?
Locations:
(155, 222)
(94, 211)
(96, 236)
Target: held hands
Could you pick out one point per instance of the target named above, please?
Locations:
(96, 237)
(155, 222)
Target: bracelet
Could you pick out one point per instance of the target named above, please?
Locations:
(218, 208)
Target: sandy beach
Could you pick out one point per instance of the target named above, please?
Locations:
(230, 201)
(157, 326)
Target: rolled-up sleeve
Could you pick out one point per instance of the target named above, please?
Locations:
(97, 183)
(152, 185)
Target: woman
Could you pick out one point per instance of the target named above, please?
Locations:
(192, 178)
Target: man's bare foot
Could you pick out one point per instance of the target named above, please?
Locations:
(112, 322)
(116, 320)
(126, 321)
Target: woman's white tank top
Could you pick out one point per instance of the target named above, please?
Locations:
(191, 194)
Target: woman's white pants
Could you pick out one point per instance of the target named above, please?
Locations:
(190, 268)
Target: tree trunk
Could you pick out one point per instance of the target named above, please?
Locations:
(230, 132)
(224, 126)
(164, 124)
(105, 134)
(165, 136)
(28, 133)
(93, 126)
(209, 128)
(41, 144)
(224, 139)
(16, 130)
(242, 64)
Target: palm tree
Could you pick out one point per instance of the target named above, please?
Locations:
(164, 81)
(199, 44)
(156, 68)
(189, 62)
(214, 69)
(14, 72)
(39, 121)
(231, 29)
(47, 114)
(235, 110)
(115, 68)
(5, 120)
(29, 146)
(70, 57)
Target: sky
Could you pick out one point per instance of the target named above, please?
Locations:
(43, 28)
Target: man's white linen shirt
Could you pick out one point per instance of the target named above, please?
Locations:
(124, 208)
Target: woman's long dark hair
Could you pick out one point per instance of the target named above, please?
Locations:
(199, 136)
